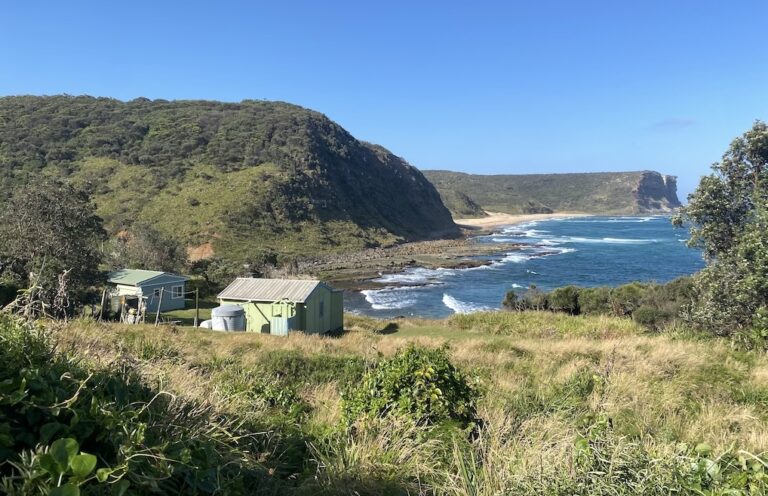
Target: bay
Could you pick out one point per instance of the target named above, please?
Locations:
(585, 251)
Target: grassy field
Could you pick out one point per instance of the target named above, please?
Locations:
(569, 405)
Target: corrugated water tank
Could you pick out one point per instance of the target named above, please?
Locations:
(228, 318)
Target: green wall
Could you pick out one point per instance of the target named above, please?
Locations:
(322, 312)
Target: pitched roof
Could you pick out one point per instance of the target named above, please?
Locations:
(253, 289)
(135, 277)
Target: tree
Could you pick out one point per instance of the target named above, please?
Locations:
(144, 247)
(49, 237)
(729, 221)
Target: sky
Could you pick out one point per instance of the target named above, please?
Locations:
(489, 87)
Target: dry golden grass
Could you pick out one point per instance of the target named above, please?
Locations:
(540, 387)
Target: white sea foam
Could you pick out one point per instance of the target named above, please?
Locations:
(388, 298)
(414, 276)
(627, 220)
(516, 257)
(515, 285)
(462, 306)
(497, 239)
(563, 250)
(610, 241)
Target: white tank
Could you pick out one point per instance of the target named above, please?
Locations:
(228, 318)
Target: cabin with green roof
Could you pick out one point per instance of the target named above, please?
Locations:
(150, 286)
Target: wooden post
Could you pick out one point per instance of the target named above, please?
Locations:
(159, 304)
(101, 310)
(197, 307)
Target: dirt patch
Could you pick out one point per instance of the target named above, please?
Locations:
(200, 252)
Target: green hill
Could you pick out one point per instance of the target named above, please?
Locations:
(599, 192)
(238, 178)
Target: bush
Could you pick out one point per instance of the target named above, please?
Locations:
(595, 301)
(564, 300)
(652, 305)
(626, 298)
(52, 406)
(417, 383)
(652, 317)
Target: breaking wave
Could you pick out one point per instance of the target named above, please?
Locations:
(462, 306)
(388, 298)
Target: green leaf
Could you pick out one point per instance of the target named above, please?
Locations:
(121, 487)
(48, 464)
(65, 490)
(581, 444)
(103, 474)
(49, 430)
(63, 450)
(82, 465)
(703, 449)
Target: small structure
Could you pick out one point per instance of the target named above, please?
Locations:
(278, 306)
(143, 289)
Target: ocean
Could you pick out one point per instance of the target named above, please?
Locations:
(585, 251)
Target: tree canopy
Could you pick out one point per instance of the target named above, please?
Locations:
(49, 230)
(729, 222)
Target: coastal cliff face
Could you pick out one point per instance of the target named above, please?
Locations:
(656, 193)
(626, 193)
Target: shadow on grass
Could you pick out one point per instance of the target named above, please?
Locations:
(390, 328)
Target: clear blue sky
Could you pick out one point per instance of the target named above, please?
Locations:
(485, 87)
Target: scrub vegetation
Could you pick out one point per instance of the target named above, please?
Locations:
(510, 408)
(254, 179)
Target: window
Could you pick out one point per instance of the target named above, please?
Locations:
(322, 308)
(156, 292)
(177, 291)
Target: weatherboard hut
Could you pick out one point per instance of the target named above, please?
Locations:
(279, 306)
(131, 287)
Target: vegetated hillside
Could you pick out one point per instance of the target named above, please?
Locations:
(249, 177)
(597, 192)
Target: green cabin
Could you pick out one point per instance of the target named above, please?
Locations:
(279, 306)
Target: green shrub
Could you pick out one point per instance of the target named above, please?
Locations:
(51, 404)
(564, 299)
(626, 298)
(652, 317)
(595, 301)
(417, 383)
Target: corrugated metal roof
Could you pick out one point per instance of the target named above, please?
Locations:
(248, 288)
(134, 277)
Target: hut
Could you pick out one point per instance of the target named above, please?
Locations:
(279, 306)
(144, 289)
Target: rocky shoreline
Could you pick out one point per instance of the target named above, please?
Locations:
(356, 271)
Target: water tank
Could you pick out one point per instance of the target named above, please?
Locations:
(228, 318)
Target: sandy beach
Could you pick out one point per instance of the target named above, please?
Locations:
(498, 219)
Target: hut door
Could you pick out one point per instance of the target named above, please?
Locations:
(279, 326)
(283, 318)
